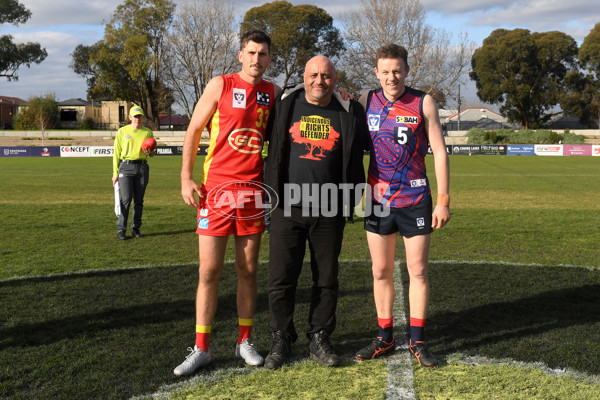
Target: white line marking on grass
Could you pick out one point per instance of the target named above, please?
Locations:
(514, 264)
(205, 379)
(400, 371)
(483, 361)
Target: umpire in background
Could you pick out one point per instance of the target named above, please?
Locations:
(131, 170)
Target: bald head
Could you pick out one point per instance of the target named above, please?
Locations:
(320, 79)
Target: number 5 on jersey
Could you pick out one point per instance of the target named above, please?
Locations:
(402, 134)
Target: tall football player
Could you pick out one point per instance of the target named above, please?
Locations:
(235, 109)
(402, 123)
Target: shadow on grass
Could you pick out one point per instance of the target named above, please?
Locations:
(533, 314)
(118, 334)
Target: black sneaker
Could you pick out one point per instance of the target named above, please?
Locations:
(136, 232)
(423, 355)
(321, 350)
(280, 350)
(376, 348)
(121, 235)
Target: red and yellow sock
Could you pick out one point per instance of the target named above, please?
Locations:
(202, 336)
(245, 328)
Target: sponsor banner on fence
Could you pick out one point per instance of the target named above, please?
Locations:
(596, 149)
(520, 149)
(577, 150)
(549, 149)
(493, 149)
(15, 151)
(202, 150)
(169, 150)
(101, 151)
(466, 150)
(75, 151)
(46, 151)
(448, 149)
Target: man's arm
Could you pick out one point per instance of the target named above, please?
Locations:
(441, 213)
(203, 111)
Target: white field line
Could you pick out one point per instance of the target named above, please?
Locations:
(400, 371)
(148, 266)
(198, 379)
(514, 264)
(563, 372)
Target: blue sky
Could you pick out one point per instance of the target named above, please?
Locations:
(60, 25)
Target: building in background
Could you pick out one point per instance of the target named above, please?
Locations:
(9, 107)
(73, 113)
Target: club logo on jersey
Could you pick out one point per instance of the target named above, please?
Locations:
(239, 98)
(418, 183)
(262, 99)
(373, 122)
(407, 120)
(246, 140)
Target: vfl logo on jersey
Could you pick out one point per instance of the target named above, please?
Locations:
(239, 98)
(246, 140)
(418, 183)
(262, 99)
(203, 223)
(407, 120)
(373, 122)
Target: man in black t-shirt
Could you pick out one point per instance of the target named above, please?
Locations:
(315, 161)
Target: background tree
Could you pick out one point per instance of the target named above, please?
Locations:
(298, 33)
(523, 72)
(15, 55)
(435, 65)
(582, 99)
(127, 63)
(202, 44)
(41, 113)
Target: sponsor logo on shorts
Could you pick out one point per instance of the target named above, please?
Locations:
(421, 222)
(407, 120)
(203, 212)
(203, 223)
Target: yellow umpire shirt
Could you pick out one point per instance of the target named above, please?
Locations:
(128, 145)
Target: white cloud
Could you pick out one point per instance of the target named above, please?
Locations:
(60, 25)
(574, 17)
(69, 12)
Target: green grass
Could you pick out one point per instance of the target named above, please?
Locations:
(83, 315)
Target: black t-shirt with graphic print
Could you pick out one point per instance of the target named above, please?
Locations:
(316, 147)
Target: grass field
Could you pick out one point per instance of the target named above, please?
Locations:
(514, 310)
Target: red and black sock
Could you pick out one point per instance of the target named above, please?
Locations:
(417, 330)
(386, 329)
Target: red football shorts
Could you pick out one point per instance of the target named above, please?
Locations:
(231, 211)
